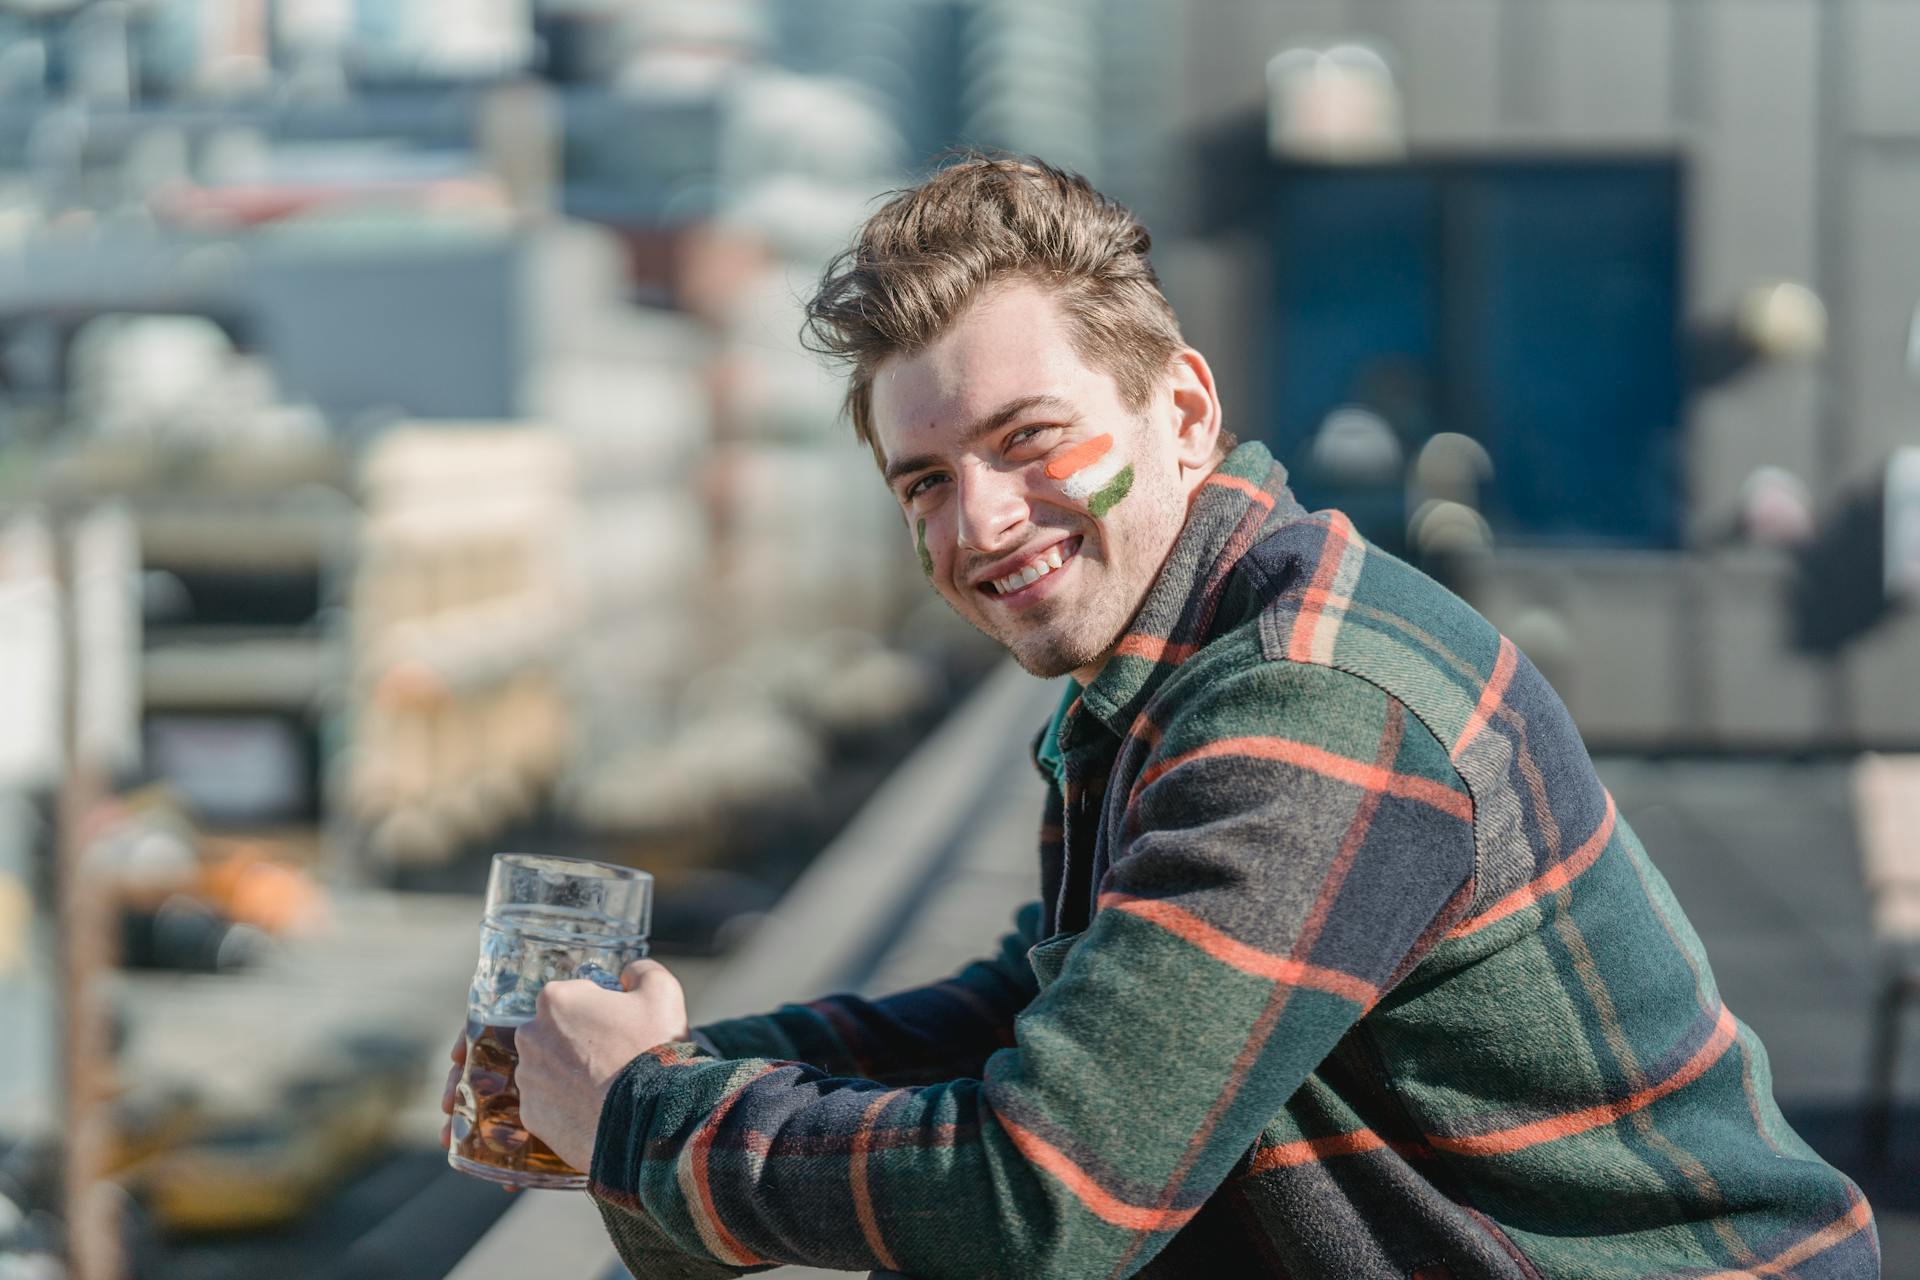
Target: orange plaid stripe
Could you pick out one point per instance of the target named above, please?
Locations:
(1294, 973)
(1358, 773)
(1556, 878)
(1519, 1137)
(1097, 1199)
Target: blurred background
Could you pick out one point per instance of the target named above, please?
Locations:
(407, 453)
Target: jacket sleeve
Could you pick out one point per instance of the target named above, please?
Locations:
(1293, 843)
(937, 1032)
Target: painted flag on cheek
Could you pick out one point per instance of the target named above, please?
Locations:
(1094, 473)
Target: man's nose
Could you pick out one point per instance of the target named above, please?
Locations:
(992, 509)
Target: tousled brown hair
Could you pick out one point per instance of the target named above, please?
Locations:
(930, 250)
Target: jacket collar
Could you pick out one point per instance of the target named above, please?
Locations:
(1198, 594)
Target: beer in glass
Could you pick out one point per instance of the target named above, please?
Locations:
(547, 919)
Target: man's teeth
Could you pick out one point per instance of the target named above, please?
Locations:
(1042, 565)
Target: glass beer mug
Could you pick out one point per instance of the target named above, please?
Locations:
(547, 919)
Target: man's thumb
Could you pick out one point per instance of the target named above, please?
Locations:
(636, 970)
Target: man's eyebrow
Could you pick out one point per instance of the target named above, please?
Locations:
(985, 426)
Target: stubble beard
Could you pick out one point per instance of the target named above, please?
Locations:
(1056, 637)
(1083, 633)
(1056, 645)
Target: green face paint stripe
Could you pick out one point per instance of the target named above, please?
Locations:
(1102, 502)
(920, 545)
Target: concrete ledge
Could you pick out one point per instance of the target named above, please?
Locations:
(556, 1234)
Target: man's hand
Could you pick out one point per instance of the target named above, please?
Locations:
(645, 983)
(453, 1084)
(580, 1038)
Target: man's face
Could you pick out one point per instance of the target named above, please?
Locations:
(1041, 506)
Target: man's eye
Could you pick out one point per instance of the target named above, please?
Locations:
(921, 485)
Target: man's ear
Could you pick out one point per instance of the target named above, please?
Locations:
(1195, 411)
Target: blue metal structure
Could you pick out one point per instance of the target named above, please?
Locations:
(1531, 304)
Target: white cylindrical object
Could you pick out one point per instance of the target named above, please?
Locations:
(30, 654)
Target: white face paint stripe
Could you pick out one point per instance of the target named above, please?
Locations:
(1087, 481)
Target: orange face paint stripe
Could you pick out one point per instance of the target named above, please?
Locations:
(1319, 760)
(1553, 880)
(1099, 1202)
(1079, 458)
(1229, 950)
(1507, 1141)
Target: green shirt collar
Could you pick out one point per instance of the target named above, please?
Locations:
(1049, 754)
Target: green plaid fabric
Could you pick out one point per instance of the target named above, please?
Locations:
(1344, 965)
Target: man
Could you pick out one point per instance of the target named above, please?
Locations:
(1344, 963)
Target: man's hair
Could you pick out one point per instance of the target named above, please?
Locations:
(985, 219)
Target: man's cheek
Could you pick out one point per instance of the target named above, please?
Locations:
(920, 545)
(1096, 475)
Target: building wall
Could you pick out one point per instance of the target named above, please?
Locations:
(1738, 87)
(1799, 121)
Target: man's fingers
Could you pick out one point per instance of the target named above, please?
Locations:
(631, 976)
(459, 1056)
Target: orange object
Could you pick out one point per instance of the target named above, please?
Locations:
(268, 895)
(1079, 458)
(410, 685)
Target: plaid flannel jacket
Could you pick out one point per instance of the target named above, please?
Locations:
(1344, 965)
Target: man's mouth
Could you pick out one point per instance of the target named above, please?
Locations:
(1049, 561)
